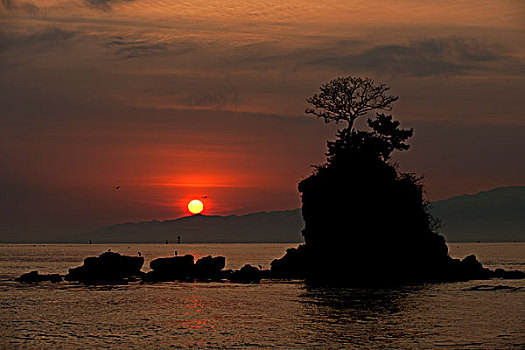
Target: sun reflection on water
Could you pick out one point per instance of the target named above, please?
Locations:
(194, 307)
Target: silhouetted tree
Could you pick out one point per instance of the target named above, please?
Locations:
(347, 98)
(363, 218)
(384, 138)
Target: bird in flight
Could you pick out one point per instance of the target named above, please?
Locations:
(117, 187)
(204, 197)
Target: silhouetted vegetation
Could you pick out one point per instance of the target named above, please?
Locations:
(348, 98)
(366, 221)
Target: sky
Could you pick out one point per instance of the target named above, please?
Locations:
(175, 100)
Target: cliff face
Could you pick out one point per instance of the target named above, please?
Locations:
(366, 223)
(366, 218)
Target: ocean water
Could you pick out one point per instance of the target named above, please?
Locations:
(272, 314)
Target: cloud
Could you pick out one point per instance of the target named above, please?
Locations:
(31, 8)
(210, 98)
(429, 57)
(47, 36)
(143, 47)
(129, 48)
(104, 5)
(446, 56)
(20, 6)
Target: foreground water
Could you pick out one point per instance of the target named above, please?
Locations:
(287, 315)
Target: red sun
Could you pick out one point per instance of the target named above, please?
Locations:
(195, 206)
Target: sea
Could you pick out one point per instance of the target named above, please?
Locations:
(274, 314)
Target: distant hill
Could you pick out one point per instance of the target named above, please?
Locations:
(492, 216)
(489, 216)
(275, 226)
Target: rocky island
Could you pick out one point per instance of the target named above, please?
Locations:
(366, 222)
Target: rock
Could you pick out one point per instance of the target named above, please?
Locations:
(29, 277)
(471, 269)
(500, 273)
(292, 265)
(365, 221)
(247, 274)
(225, 274)
(34, 276)
(267, 274)
(171, 269)
(300, 263)
(54, 277)
(209, 267)
(179, 264)
(108, 268)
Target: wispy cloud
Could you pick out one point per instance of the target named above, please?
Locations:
(132, 48)
(46, 36)
(104, 5)
(129, 48)
(210, 98)
(426, 57)
(20, 6)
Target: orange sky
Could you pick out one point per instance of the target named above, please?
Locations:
(174, 100)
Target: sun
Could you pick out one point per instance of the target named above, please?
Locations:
(195, 206)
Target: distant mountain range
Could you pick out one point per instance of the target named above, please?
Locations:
(490, 216)
(275, 226)
(497, 215)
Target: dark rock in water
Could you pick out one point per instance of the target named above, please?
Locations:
(180, 264)
(34, 276)
(366, 223)
(511, 275)
(247, 274)
(374, 231)
(472, 269)
(171, 269)
(209, 267)
(183, 268)
(108, 268)
(54, 277)
(268, 274)
(225, 274)
(298, 263)
(293, 265)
